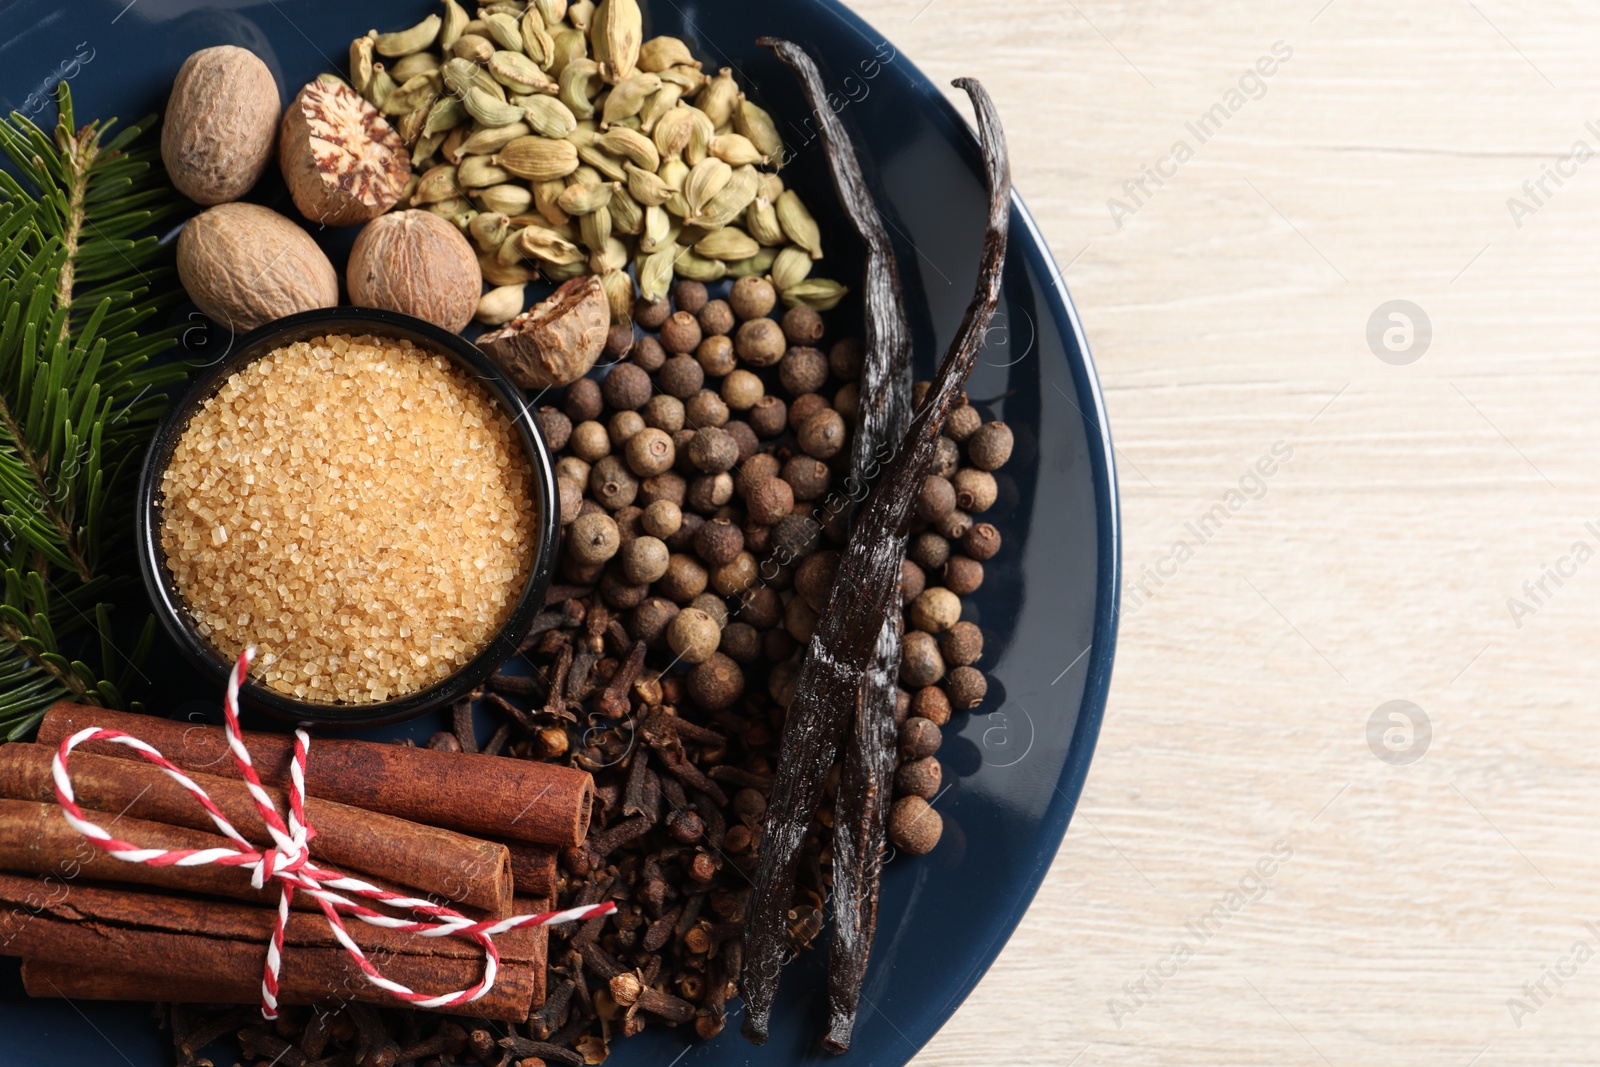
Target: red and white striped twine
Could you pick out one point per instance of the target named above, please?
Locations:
(289, 863)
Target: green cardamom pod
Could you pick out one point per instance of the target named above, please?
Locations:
(451, 149)
(501, 304)
(659, 53)
(616, 36)
(661, 101)
(698, 268)
(556, 273)
(569, 45)
(583, 133)
(761, 219)
(491, 139)
(479, 172)
(461, 76)
(619, 294)
(489, 111)
(437, 185)
(576, 85)
(409, 126)
(672, 132)
(718, 98)
(732, 201)
(755, 266)
(791, 267)
(818, 294)
(705, 181)
(503, 28)
(549, 116)
(657, 224)
(552, 11)
(445, 115)
(473, 47)
(420, 91)
(453, 26)
(582, 198)
(545, 195)
(631, 145)
(647, 187)
(798, 224)
(496, 273)
(456, 210)
(422, 153)
(687, 78)
(754, 123)
(627, 97)
(361, 50)
(538, 158)
(595, 228)
(489, 229)
(729, 244)
(405, 42)
(602, 161)
(736, 150)
(613, 257)
(626, 214)
(655, 273)
(700, 134)
(509, 200)
(536, 40)
(547, 246)
(581, 14)
(517, 72)
(410, 66)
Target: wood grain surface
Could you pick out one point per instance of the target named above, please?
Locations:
(1273, 864)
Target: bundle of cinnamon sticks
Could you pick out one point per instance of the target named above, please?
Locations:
(476, 833)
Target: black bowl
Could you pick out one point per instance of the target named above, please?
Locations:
(168, 601)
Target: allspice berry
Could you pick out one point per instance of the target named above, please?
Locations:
(769, 416)
(612, 484)
(962, 422)
(936, 610)
(713, 450)
(553, 426)
(929, 550)
(685, 579)
(919, 738)
(571, 499)
(626, 388)
(913, 580)
(962, 575)
(717, 683)
(741, 390)
(648, 354)
(930, 703)
(661, 518)
(650, 452)
(760, 342)
(663, 412)
(668, 485)
(914, 826)
(718, 541)
(715, 356)
(644, 559)
(590, 442)
(693, 635)
(681, 333)
(823, 434)
(761, 465)
(936, 500)
(803, 370)
(954, 526)
(735, 576)
(990, 446)
(981, 542)
(966, 687)
(768, 500)
(619, 341)
(752, 297)
(681, 377)
(650, 619)
(794, 537)
(715, 318)
(709, 492)
(844, 359)
(919, 778)
(802, 325)
(744, 437)
(920, 661)
(813, 579)
(705, 408)
(976, 490)
(651, 313)
(962, 644)
(803, 407)
(582, 401)
(809, 478)
(946, 458)
(761, 607)
(689, 295)
(623, 425)
(593, 538)
(740, 643)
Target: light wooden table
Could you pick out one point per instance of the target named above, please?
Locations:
(1385, 561)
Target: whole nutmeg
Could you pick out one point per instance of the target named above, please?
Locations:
(416, 263)
(220, 126)
(914, 826)
(344, 164)
(555, 342)
(693, 635)
(244, 265)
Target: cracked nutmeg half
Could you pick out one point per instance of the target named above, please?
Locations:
(344, 164)
(555, 342)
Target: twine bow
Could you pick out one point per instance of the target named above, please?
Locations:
(288, 863)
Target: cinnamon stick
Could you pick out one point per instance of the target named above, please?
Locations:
(533, 870)
(542, 803)
(182, 941)
(461, 869)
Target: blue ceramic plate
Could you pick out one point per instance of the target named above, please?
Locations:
(1048, 606)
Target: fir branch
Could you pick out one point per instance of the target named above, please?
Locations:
(81, 278)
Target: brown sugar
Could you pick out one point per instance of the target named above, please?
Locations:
(356, 507)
